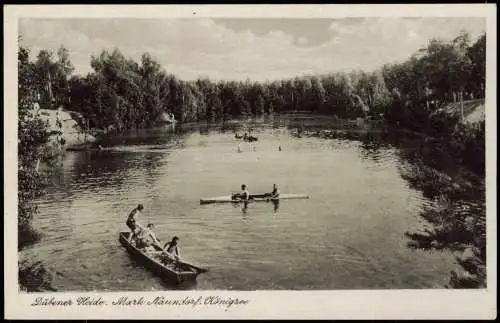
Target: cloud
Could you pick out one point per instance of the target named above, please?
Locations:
(190, 48)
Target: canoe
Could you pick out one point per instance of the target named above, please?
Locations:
(253, 198)
(176, 271)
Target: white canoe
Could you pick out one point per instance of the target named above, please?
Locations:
(253, 198)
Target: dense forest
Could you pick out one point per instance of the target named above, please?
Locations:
(122, 93)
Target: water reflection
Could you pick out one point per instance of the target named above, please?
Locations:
(245, 207)
(276, 204)
(170, 171)
(454, 217)
(456, 221)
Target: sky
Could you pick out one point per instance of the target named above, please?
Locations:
(239, 49)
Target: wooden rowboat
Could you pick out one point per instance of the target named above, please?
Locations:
(176, 271)
(253, 198)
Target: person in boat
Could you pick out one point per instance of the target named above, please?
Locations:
(132, 221)
(147, 238)
(243, 195)
(275, 193)
(172, 248)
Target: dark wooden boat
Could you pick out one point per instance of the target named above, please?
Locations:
(175, 271)
(247, 138)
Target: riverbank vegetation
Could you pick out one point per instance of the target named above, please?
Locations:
(33, 135)
(121, 94)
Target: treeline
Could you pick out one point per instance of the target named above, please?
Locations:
(122, 93)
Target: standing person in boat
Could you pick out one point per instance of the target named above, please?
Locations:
(132, 220)
(244, 195)
(172, 247)
(147, 238)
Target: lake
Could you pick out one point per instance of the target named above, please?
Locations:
(350, 234)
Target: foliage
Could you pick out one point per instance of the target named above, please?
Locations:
(51, 76)
(32, 136)
(35, 277)
(457, 220)
(459, 225)
(468, 144)
(439, 73)
(121, 93)
(125, 94)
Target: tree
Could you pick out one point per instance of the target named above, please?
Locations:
(151, 79)
(63, 68)
(44, 71)
(32, 136)
(477, 55)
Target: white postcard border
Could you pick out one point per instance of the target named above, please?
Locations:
(342, 304)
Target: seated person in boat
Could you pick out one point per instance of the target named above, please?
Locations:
(244, 195)
(132, 220)
(275, 193)
(172, 248)
(147, 238)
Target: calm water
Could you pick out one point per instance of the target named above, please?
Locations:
(349, 235)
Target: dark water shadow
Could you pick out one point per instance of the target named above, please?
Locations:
(456, 222)
(455, 215)
(276, 205)
(188, 285)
